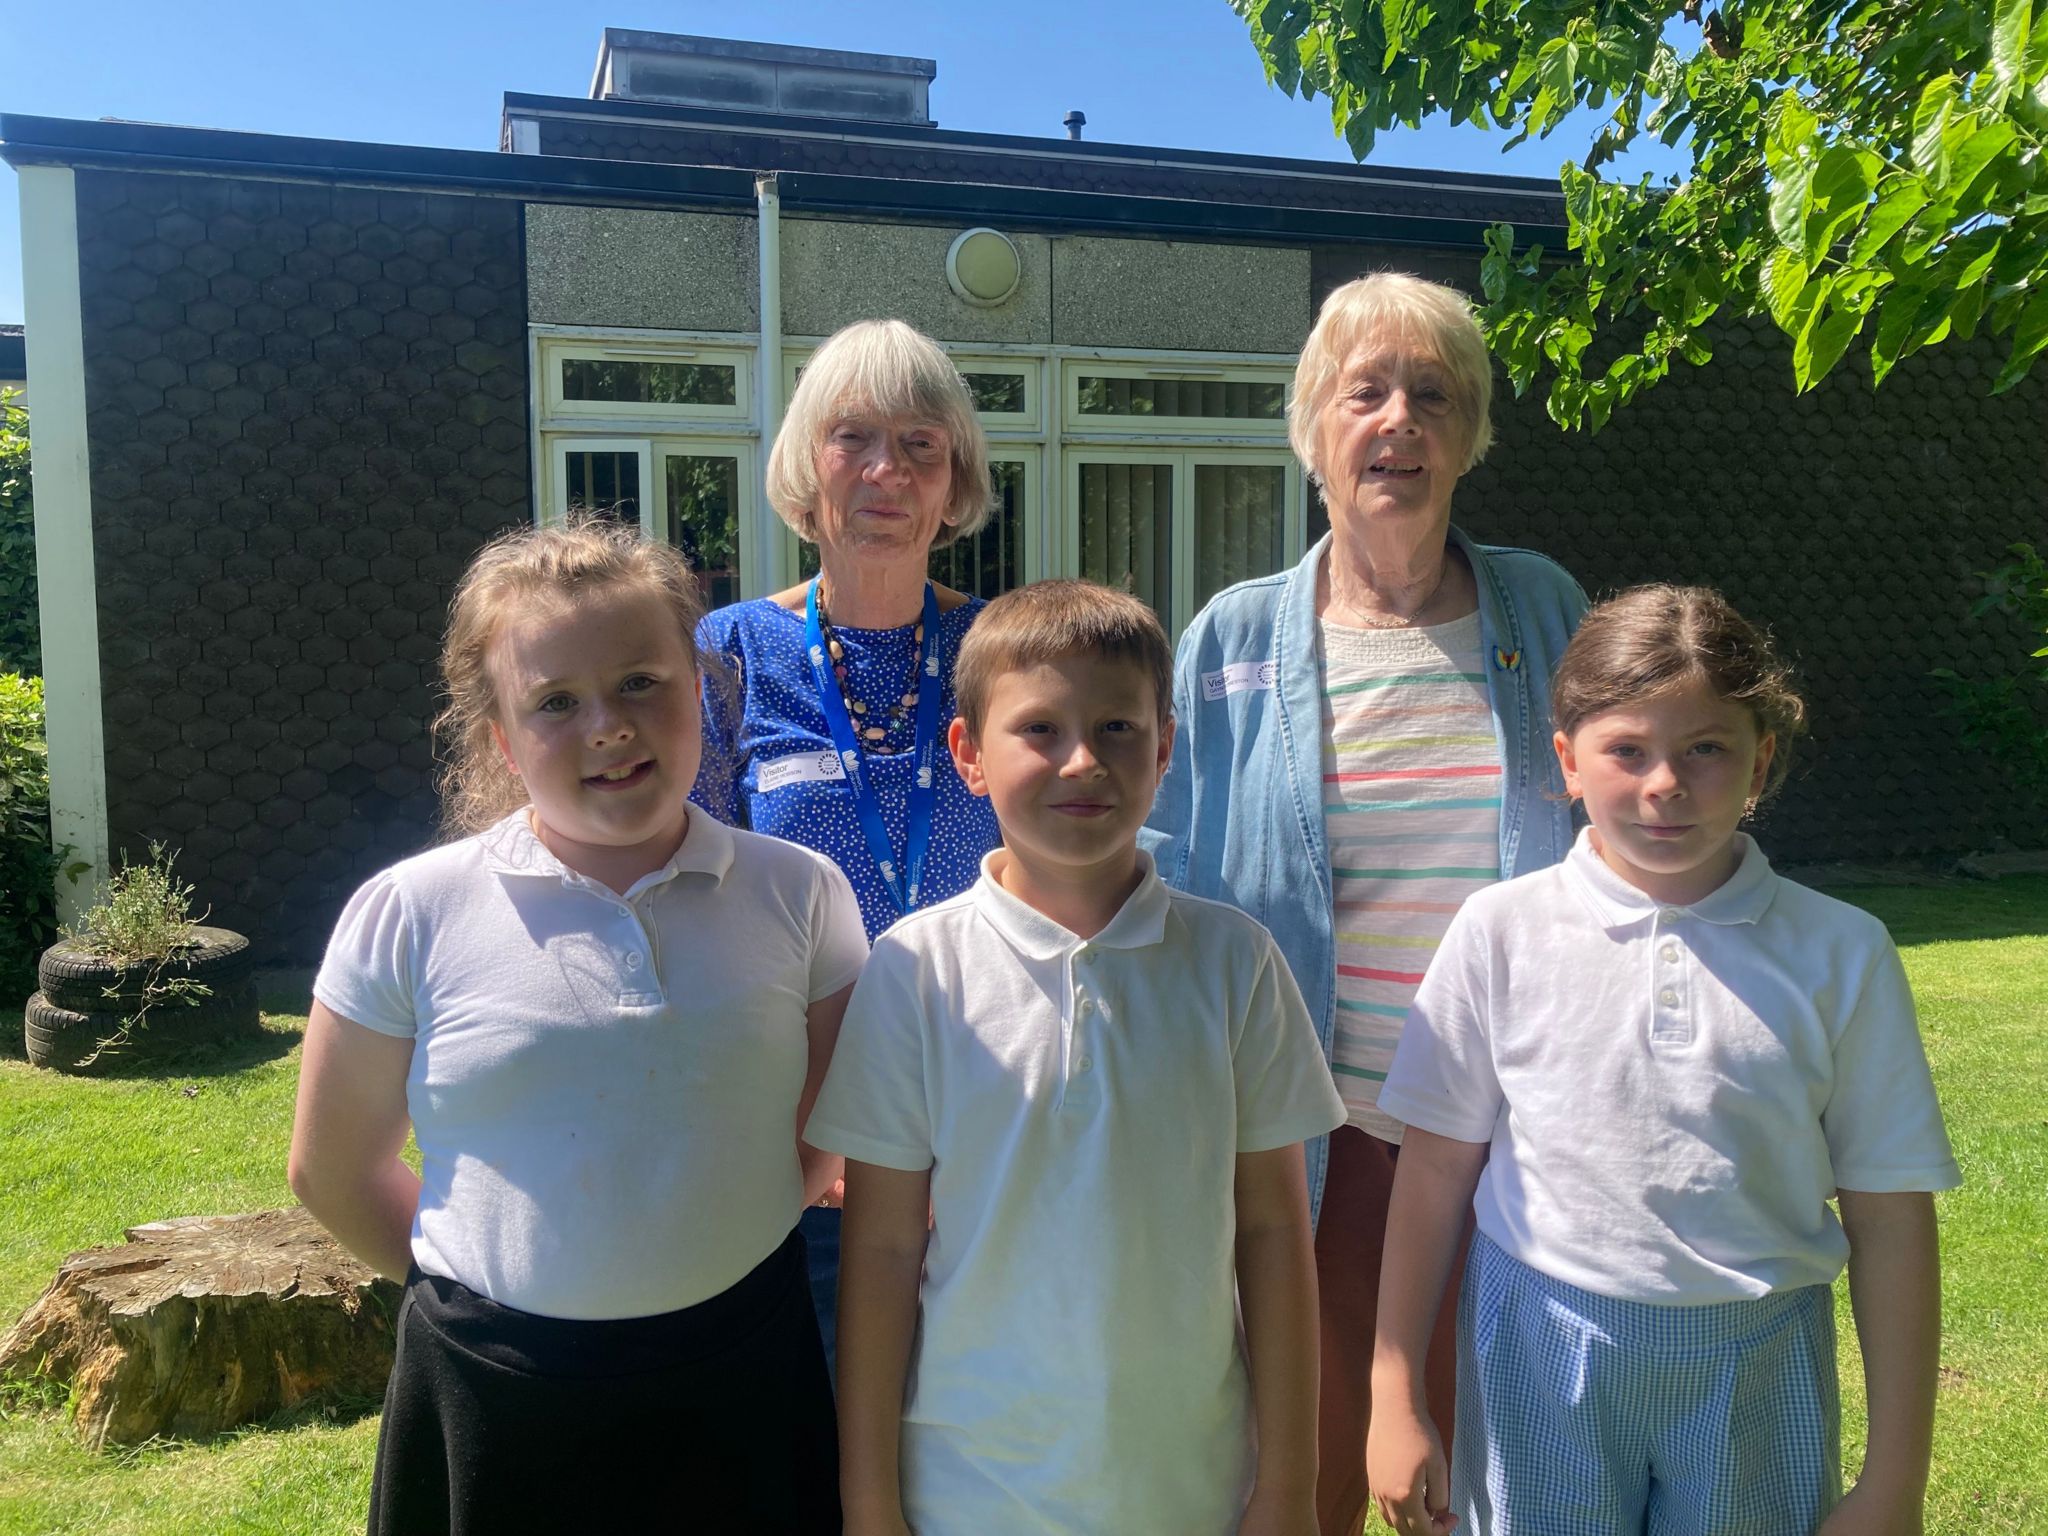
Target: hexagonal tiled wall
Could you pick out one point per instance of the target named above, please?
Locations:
(307, 408)
(1852, 522)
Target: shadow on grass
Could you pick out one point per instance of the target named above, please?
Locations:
(40, 1397)
(327, 1410)
(2014, 907)
(162, 1059)
(286, 990)
(323, 1410)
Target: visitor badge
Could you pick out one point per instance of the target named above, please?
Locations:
(1239, 677)
(798, 768)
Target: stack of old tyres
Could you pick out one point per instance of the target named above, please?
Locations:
(147, 1008)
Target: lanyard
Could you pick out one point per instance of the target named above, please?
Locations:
(851, 756)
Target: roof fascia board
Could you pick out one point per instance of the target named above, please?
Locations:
(846, 130)
(808, 192)
(568, 178)
(65, 141)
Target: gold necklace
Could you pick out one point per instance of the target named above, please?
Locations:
(1398, 621)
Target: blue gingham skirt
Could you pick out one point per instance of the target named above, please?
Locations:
(1580, 1415)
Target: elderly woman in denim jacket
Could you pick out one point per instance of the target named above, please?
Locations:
(1364, 741)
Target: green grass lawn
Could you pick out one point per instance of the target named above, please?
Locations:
(81, 1159)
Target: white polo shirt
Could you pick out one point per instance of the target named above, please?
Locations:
(1671, 1094)
(603, 1087)
(1081, 1106)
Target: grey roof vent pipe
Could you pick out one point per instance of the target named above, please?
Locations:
(1075, 120)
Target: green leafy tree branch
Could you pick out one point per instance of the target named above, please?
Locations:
(20, 631)
(1855, 167)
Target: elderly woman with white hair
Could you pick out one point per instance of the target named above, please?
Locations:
(831, 729)
(1364, 741)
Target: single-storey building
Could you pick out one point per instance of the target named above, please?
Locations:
(285, 387)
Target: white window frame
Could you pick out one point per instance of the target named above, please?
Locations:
(554, 350)
(746, 450)
(1028, 366)
(652, 453)
(1032, 417)
(1048, 442)
(1190, 370)
(1182, 459)
(555, 508)
(1030, 548)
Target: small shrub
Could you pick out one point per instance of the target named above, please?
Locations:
(28, 865)
(145, 914)
(143, 920)
(20, 635)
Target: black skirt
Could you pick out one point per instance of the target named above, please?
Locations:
(714, 1419)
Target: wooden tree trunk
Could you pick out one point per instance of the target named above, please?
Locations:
(202, 1323)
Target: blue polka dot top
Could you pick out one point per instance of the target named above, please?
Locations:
(767, 749)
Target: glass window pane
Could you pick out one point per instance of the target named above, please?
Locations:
(1002, 392)
(647, 383)
(992, 561)
(1127, 530)
(606, 483)
(1232, 400)
(1237, 524)
(704, 520)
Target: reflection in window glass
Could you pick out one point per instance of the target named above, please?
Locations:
(1237, 524)
(1000, 392)
(703, 520)
(605, 483)
(992, 561)
(647, 383)
(1127, 529)
(1212, 399)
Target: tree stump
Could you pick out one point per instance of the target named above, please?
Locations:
(199, 1324)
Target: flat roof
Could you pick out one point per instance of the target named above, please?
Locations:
(526, 104)
(32, 140)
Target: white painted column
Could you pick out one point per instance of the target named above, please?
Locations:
(63, 509)
(763, 572)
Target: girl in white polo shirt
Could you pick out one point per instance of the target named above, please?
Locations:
(603, 1016)
(1649, 1070)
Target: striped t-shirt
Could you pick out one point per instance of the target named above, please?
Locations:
(1411, 806)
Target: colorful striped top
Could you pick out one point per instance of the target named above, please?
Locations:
(1411, 807)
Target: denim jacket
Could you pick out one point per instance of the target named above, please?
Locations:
(1239, 816)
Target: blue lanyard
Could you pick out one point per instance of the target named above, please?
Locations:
(853, 758)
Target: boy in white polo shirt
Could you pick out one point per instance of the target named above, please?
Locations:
(1098, 1089)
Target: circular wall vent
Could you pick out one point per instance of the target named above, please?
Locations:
(982, 267)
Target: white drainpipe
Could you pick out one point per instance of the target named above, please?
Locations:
(765, 571)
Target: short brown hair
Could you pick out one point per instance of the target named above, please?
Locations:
(1051, 620)
(1653, 639)
(585, 555)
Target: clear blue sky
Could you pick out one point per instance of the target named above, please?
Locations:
(1178, 73)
